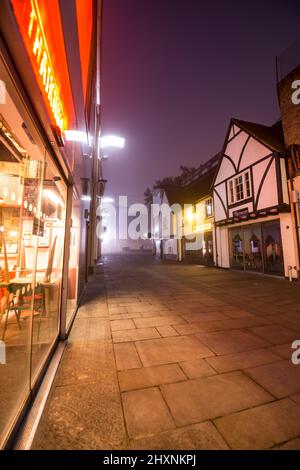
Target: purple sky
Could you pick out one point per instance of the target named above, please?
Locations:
(175, 71)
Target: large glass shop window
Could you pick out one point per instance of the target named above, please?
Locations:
(32, 225)
(253, 248)
(49, 229)
(73, 281)
(257, 247)
(236, 248)
(15, 296)
(273, 247)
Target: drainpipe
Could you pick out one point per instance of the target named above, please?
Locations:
(216, 246)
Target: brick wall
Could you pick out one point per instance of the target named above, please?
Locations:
(290, 112)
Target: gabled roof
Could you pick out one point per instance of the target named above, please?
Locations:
(271, 136)
(175, 195)
(199, 189)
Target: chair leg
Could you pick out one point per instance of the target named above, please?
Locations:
(5, 325)
(17, 314)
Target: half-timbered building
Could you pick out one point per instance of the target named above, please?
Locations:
(253, 224)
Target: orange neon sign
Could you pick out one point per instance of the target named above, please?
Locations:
(41, 53)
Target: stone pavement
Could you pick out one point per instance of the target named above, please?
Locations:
(165, 355)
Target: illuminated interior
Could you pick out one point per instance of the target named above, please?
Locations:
(32, 226)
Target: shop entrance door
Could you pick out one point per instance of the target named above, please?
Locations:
(236, 240)
(253, 248)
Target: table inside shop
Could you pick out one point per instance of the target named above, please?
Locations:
(23, 283)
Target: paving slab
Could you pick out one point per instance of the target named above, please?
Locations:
(233, 341)
(262, 427)
(166, 331)
(169, 350)
(214, 396)
(126, 356)
(196, 368)
(158, 321)
(150, 376)
(274, 334)
(280, 378)
(135, 335)
(122, 325)
(242, 360)
(202, 436)
(146, 412)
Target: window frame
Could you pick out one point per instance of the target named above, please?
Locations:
(239, 187)
(208, 202)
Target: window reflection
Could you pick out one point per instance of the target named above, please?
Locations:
(32, 227)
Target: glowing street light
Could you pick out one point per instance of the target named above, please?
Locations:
(108, 199)
(112, 141)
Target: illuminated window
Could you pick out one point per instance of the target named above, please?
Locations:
(208, 208)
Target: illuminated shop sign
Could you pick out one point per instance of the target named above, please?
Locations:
(43, 61)
(38, 43)
(203, 227)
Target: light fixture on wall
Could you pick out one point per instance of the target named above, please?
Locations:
(78, 136)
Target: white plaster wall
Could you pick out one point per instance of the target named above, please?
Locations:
(253, 152)
(269, 195)
(222, 247)
(218, 208)
(226, 170)
(289, 244)
(235, 146)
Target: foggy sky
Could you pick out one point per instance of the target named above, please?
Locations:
(175, 71)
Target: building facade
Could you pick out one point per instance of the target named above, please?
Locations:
(255, 229)
(48, 70)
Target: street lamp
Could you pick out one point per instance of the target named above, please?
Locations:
(112, 141)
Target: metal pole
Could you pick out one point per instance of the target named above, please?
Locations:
(96, 162)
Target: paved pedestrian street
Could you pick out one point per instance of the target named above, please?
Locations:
(164, 355)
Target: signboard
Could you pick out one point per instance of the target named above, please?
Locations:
(241, 212)
(40, 26)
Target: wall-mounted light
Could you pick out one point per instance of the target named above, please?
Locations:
(77, 136)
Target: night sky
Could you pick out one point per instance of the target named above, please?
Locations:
(175, 71)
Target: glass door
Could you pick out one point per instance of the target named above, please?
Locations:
(273, 256)
(236, 240)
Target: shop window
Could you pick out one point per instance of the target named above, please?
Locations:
(32, 225)
(208, 208)
(239, 187)
(73, 280)
(236, 248)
